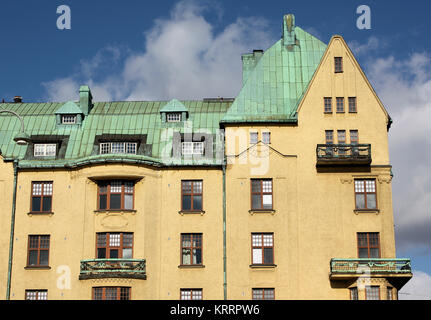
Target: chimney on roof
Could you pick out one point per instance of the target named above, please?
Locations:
(85, 99)
(289, 37)
(17, 99)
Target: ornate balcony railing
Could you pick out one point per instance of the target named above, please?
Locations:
(370, 266)
(330, 154)
(113, 268)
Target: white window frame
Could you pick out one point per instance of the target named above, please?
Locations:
(192, 148)
(266, 137)
(173, 117)
(118, 147)
(68, 119)
(254, 137)
(45, 149)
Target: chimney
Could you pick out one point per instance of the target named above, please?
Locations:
(85, 99)
(17, 99)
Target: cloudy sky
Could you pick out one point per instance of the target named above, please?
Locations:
(146, 50)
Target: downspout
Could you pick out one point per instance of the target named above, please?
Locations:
(12, 228)
(224, 231)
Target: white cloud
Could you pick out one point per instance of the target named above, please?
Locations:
(183, 58)
(358, 48)
(418, 288)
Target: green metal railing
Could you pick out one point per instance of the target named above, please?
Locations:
(360, 152)
(113, 268)
(371, 266)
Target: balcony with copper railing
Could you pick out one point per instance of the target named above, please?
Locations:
(398, 270)
(113, 268)
(343, 154)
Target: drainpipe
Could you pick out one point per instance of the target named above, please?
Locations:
(12, 228)
(224, 231)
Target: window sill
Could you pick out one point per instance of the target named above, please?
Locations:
(191, 266)
(115, 211)
(327, 112)
(40, 213)
(183, 212)
(358, 211)
(37, 267)
(253, 211)
(263, 266)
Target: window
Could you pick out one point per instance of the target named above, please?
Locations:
(36, 294)
(368, 245)
(263, 294)
(45, 149)
(38, 250)
(372, 293)
(253, 137)
(173, 117)
(116, 195)
(389, 291)
(329, 136)
(266, 137)
(327, 105)
(68, 119)
(41, 197)
(114, 245)
(191, 294)
(341, 135)
(191, 249)
(352, 105)
(191, 195)
(338, 62)
(192, 148)
(354, 137)
(354, 294)
(261, 194)
(365, 194)
(262, 248)
(111, 293)
(340, 105)
(118, 147)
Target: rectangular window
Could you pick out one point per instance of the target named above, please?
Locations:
(327, 105)
(111, 293)
(341, 135)
(118, 147)
(36, 294)
(340, 105)
(191, 249)
(114, 245)
(263, 294)
(191, 195)
(38, 251)
(368, 245)
(68, 119)
(254, 137)
(352, 105)
(338, 63)
(41, 196)
(173, 117)
(191, 294)
(365, 194)
(192, 148)
(262, 248)
(261, 194)
(266, 137)
(116, 195)
(45, 149)
(354, 137)
(354, 294)
(372, 293)
(329, 136)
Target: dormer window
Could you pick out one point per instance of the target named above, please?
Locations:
(68, 119)
(118, 147)
(173, 117)
(45, 149)
(192, 148)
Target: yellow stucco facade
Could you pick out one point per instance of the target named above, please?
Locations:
(313, 217)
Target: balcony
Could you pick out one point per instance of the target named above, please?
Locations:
(113, 268)
(398, 270)
(343, 154)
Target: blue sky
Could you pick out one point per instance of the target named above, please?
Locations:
(138, 50)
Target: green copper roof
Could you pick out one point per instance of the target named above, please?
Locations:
(69, 108)
(276, 81)
(174, 106)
